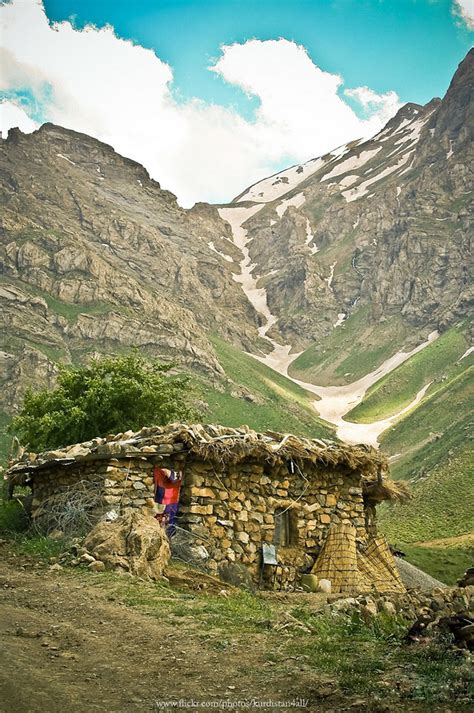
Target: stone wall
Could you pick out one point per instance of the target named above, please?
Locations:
(230, 510)
(234, 512)
(119, 483)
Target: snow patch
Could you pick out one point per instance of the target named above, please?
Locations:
(351, 163)
(277, 185)
(65, 158)
(309, 237)
(280, 358)
(415, 127)
(257, 296)
(331, 274)
(339, 151)
(295, 201)
(362, 189)
(218, 252)
(348, 180)
(340, 319)
(466, 353)
(336, 401)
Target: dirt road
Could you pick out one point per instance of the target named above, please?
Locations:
(68, 644)
(73, 640)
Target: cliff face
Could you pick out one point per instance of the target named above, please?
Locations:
(96, 257)
(383, 225)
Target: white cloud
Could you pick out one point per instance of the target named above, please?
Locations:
(380, 106)
(465, 9)
(12, 115)
(97, 83)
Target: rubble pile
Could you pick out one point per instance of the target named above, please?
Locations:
(448, 611)
(133, 543)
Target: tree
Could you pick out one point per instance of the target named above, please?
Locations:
(109, 395)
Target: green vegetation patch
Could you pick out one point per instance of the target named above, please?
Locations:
(436, 362)
(445, 564)
(441, 505)
(72, 311)
(436, 429)
(68, 310)
(280, 404)
(352, 350)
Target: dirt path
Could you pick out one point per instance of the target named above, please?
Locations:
(67, 643)
(81, 642)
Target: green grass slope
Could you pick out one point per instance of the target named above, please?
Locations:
(436, 527)
(352, 350)
(279, 404)
(437, 363)
(438, 427)
(441, 504)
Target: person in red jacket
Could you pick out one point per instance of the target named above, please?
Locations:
(167, 489)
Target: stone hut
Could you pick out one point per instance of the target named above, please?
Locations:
(278, 504)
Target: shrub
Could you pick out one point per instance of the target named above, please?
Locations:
(109, 395)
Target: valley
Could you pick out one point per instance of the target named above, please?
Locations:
(332, 299)
(334, 402)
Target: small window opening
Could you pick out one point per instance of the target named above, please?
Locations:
(286, 530)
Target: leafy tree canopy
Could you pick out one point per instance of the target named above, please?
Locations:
(109, 395)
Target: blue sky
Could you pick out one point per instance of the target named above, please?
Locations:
(409, 46)
(212, 95)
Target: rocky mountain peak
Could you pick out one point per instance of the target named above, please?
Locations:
(407, 112)
(463, 74)
(455, 117)
(377, 225)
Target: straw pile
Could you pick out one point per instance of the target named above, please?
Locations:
(350, 570)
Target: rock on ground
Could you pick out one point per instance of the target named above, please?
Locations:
(134, 543)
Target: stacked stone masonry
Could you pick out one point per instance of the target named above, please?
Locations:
(229, 509)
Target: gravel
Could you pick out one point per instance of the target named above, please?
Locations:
(414, 578)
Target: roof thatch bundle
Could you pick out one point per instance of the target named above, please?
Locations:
(385, 489)
(224, 446)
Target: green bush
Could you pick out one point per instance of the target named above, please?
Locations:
(108, 395)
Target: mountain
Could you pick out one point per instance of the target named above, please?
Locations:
(346, 278)
(96, 258)
(379, 229)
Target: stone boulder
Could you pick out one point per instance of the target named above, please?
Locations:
(133, 543)
(236, 574)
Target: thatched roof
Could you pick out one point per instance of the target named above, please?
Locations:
(218, 444)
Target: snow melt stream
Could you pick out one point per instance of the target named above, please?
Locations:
(334, 402)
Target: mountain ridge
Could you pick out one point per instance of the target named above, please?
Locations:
(336, 267)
